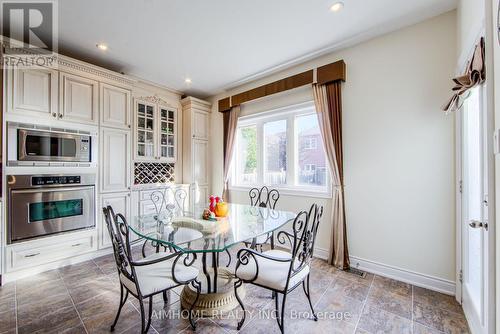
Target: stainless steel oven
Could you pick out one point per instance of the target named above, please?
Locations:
(29, 144)
(40, 205)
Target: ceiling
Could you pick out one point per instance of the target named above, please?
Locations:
(220, 44)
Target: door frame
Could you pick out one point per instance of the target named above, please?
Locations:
(458, 204)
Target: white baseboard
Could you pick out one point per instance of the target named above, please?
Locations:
(403, 275)
(321, 253)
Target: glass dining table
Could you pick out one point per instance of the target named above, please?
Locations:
(185, 231)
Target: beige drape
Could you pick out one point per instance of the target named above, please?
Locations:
(230, 124)
(474, 75)
(327, 99)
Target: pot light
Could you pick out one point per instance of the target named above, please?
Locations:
(337, 6)
(188, 81)
(102, 46)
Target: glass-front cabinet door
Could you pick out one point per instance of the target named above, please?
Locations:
(145, 131)
(167, 134)
(155, 132)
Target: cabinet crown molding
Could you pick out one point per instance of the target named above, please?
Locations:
(65, 63)
(193, 102)
(156, 100)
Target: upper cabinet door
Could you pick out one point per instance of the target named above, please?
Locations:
(145, 123)
(115, 160)
(200, 124)
(35, 92)
(115, 106)
(168, 134)
(79, 99)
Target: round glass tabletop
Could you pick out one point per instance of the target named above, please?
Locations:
(186, 231)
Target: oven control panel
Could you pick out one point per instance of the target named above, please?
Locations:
(55, 180)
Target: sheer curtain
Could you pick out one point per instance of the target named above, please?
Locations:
(328, 102)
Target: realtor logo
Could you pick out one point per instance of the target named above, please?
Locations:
(29, 26)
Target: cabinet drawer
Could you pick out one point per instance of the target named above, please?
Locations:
(145, 195)
(146, 208)
(20, 256)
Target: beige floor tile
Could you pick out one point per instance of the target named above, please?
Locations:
(440, 319)
(390, 302)
(392, 286)
(436, 299)
(374, 320)
(351, 289)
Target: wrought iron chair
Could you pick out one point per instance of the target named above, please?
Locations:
(149, 276)
(169, 200)
(282, 271)
(167, 203)
(264, 198)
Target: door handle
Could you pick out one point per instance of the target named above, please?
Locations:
(478, 224)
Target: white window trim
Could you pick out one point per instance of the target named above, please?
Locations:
(289, 112)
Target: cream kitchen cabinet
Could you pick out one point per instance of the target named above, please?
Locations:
(115, 160)
(155, 138)
(196, 154)
(115, 106)
(33, 92)
(79, 98)
(120, 202)
(30, 253)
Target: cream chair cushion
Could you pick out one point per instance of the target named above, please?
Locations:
(272, 274)
(158, 277)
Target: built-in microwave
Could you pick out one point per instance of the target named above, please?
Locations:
(28, 145)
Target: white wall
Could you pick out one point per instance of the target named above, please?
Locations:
(470, 22)
(398, 147)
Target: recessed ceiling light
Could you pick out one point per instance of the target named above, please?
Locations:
(102, 46)
(188, 81)
(337, 6)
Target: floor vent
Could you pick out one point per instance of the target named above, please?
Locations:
(357, 272)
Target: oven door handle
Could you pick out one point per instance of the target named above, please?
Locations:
(58, 189)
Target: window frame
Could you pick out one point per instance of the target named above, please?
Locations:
(292, 187)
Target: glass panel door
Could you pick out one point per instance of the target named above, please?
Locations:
(167, 133)
(474, 213)
(145, 130)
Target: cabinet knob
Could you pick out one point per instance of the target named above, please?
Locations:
(60, 115)
(54, 114)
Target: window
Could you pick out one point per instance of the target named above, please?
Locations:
(309, 168)
(246, 165)
(310, 143)
(281, 148)
(275, 152)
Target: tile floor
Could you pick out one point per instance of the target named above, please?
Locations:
(83, 298)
